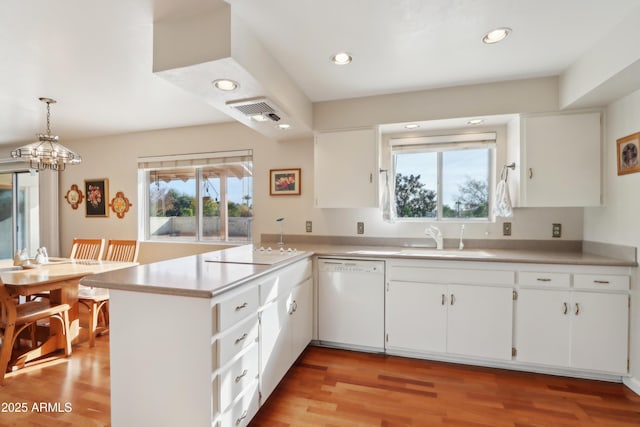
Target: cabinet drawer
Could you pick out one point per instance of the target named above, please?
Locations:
(284, 280)
(243, 410)
(233, 380)
(601, 282)
(236, 308)
(544, 279)
(237, 339)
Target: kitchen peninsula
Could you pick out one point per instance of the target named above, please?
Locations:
(203, 340)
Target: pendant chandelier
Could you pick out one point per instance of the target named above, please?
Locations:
(46, 153)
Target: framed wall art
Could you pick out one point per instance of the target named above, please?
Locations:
(284, 182)
(74, 196)
(627, 149)
(96, 194)
(120, 204)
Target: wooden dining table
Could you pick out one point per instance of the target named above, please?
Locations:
(60, 277)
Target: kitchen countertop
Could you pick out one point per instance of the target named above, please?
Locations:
(210, 274)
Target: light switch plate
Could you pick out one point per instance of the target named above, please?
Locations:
(556, 230)
(308, 226)
(506, 229)
(361, 228)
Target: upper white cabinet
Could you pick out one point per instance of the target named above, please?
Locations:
(558, 158)
(346, 169)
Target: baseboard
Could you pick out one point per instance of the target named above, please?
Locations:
(633, 383)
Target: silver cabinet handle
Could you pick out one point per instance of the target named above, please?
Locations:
(543, 279)
(453, 299)
(240, 307)
(530, 173)
(577, 309)
(242, 338)
(601, 282)
(565, 308)
(370, 178)
(295, 306)
(443, 300)
(241, 376)
(242, 417)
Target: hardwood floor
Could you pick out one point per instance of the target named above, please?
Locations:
(342, 388)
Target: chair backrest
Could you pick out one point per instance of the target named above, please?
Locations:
(87, 249)
(122, 250)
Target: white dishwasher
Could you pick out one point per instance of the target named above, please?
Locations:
(351, 303)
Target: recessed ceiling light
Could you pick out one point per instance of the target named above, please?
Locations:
(259, 118)
(475, 121)
(411, 126)
(341, 58)
(284, 126)
(494, 36)
(225, 84)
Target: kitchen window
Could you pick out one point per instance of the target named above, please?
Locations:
(19, 212)
(198, 197)
(443, 177)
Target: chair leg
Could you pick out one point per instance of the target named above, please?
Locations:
(93, 323)
(5, 351)
(67, 335)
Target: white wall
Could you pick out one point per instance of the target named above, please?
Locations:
(114, 157)
(617, 221)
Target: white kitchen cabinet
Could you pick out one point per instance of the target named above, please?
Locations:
(577, 329)
(416, 316)
(346, 169)
(286, 322)
(473, 319)
(558, 160)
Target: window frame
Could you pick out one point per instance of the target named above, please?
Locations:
(439, 145)
(198, 162)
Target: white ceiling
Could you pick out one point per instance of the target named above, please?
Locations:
(95, 57)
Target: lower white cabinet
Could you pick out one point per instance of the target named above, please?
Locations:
(576, 329)
(470, 320)
(286, 326)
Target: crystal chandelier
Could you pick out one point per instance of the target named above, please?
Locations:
(46, 153)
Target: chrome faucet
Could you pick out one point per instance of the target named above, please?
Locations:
(461, 244)
(434, 232)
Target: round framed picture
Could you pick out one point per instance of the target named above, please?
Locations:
(74, 196)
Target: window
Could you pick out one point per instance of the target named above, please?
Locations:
(444, 177)
(198, 197)
(19, 213)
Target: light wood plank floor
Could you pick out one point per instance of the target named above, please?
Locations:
(342, 388)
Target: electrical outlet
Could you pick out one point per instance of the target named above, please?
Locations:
(556, 230)
(308, 226)
(506, 229)
(361, 228)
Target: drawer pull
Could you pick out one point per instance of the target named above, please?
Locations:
(577, 309)
(543, 279)
(453, 299)
(443, 300)
(242, 417)
(240, 307)
(601, 282)
(565, 308)
(242, 338)
(241, 376)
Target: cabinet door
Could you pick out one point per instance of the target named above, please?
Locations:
(480, 321)
(542, 326)
(562, 160)
(416, 316)
(599, 331)
(275, 343)
(346, 169)
(302, 318)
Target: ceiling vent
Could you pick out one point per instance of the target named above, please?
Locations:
(257, 107)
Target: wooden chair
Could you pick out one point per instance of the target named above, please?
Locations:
(87, 249)
(97, 300)
(16, 318)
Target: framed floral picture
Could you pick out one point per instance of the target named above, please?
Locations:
(96, 195)
(284, 182)
(628, 151)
